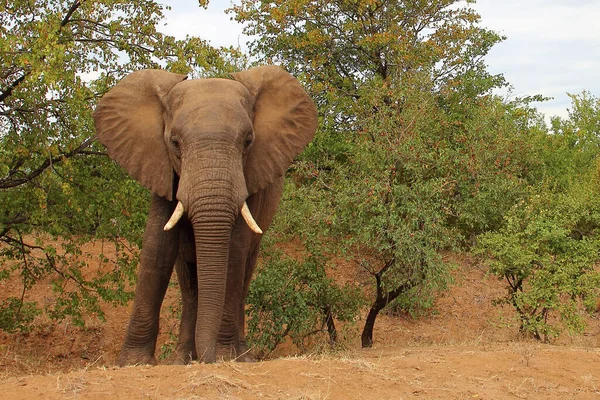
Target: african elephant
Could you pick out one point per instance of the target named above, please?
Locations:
(213, 153)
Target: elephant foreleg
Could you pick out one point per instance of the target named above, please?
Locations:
(228, 340)
(243, 254)
(159, 250)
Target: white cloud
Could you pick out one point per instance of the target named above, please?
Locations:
(545, 19)
(552, 47)
(212, 24)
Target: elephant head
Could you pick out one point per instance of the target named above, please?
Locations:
(208, 144)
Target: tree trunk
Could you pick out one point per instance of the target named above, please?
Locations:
(380, 303)
(367, 334)
(328, 320)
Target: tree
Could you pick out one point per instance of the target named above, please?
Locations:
(548, 245)
(338, 46)
(58, 58)
(406, 108)
(575, 141)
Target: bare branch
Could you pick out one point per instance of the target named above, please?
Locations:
(8, 91)
(9, 183)
(73, 8)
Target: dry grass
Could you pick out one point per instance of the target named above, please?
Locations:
(16, 362)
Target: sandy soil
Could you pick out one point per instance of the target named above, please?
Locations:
(468, 349)
(469, 371)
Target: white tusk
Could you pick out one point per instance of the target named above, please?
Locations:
(250, 220)
(177, 214)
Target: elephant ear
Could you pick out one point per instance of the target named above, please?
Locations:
(129, 122)
(285, 120)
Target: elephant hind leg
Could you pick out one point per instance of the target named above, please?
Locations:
(243, 351)
(188, 284)
(232, 348)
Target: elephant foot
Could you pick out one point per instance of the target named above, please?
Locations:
(132, 357)
(230, 352)
(244, 354)
(245, 357)
(207, 355)
(180, 360)
(183, 355)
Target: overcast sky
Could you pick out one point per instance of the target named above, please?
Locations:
(552, 46)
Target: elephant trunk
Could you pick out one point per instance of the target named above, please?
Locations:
(212, 231)
(212, 194)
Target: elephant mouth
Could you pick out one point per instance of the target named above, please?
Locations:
(246, 214)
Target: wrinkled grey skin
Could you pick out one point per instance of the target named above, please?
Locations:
(210, 144)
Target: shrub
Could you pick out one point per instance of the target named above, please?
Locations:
(296, 299)
(546, 253)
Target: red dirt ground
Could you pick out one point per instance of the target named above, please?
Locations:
(467, 349)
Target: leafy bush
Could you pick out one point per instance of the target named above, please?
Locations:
(414, 153)
(296, 299)
(548, 246)
(17, 315)
(546, 253)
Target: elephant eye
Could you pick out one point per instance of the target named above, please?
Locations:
(175, 143)
(249, 139)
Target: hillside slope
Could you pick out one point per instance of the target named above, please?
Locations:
(466, 349)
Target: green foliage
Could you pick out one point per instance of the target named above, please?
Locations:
(58, 58)
(392, 198)
(582, 129)
(17, 315)
(399, 170)
(549, 243)
(573, 146)
(495, 159)
(296, 299)
(339, 46)
(546, 253)
(417, 179)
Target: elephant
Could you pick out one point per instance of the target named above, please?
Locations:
(213, 152)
